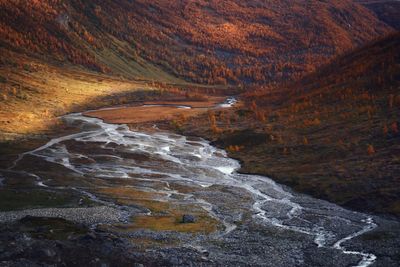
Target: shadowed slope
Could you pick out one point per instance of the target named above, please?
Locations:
(335, 135)
(386, 10)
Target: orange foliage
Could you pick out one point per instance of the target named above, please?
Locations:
(214, 42)
(312, 122)
(213, 123)
(234, 148)
(305, 141)
(385, 130)
(371, 150)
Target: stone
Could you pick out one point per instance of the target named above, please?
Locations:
(187, 218)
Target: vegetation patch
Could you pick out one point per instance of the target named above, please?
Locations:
(334, 134)
(173, 222)
(165, 216)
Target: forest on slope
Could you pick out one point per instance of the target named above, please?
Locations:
(318, 111)
(334, 134)
(209, 42)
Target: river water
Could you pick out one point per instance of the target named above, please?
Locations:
(157, 160)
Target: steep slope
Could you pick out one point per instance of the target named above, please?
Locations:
(212, 42)
(334, 135)
(341, 130)
(372, 69)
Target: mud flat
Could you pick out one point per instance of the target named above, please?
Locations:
(155, 111)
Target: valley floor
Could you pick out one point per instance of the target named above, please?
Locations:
(132, 188)
(319, 160)
(321, 166)
(242, 138)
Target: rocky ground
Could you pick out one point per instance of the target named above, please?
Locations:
(61, 218)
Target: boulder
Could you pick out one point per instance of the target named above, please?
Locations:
(187, 218)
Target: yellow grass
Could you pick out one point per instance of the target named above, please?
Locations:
(172, 222)
(132, 196)
(31, 100)
(166, 216)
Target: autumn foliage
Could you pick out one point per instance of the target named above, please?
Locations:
(212, 42)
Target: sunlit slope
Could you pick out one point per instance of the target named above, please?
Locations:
(34, 93)
(228, 41)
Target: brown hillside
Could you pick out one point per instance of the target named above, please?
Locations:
(215, 41)
(335, 135)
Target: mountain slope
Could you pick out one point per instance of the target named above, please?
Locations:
(334, 135)
(341, 130)
(212, 42)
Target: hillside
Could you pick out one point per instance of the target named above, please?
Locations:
(329, 125)
(334, 135)
(60, 55)
(200, 41)
(198, 133)
(387, 10)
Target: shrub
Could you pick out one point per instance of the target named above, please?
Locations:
(370, 150)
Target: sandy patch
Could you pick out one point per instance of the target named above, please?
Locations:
(155, 111)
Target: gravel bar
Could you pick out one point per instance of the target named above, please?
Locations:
(88, 216)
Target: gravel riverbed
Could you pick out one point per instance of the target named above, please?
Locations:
(88, 216)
